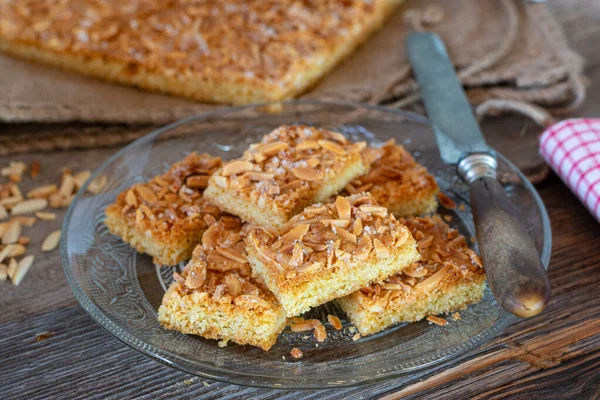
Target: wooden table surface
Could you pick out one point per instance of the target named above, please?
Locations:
(556, 354)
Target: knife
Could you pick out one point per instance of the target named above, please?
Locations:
(512, 265)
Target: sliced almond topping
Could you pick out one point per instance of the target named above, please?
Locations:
(296, 233)
(197, 181)
(332, 146)
(29, 206)
(97, 184)
(12, 268)
(307, 145)
(340, 223)
(259, 157)
(46, 216)
(295, 184)
(25, 221)
(302, 326)
(437, 320)
(12, 233)
(342, 255)
(343, 208)
(426, 242)
(5, 252)
(42, 192)
(446, 201)
(51, 241)
(364, 248)
(313, 162)
(297, 257)
(9, 202)
(415, 271)
(22, 268)
(338, 137)
(357, 227)
(434, 279)
(80, 178)
(16, 250)
(320, 333)
(131, 199)
(232, 254)
(147, 212)
(251, 300)
(374, 210)
(139, 216)
(67, 186)
(146, 194)
(196, 276)
(271, 149)
(259, 176)
(307, 174)
(220, 181)
(234, 286)
(237, 167)
(296, 353)
(309, 267)
(380, 249)
(344, 234)
(334, 321)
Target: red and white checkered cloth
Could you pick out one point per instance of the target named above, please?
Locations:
(572, 149)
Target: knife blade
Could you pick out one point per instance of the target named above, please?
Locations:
(512, 265)
(456, 129)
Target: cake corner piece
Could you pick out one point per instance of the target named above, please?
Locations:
(217, 297)
(448, 278)
(166, 216)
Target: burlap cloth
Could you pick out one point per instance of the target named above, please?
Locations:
(510, 54)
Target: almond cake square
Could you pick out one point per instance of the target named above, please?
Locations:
(396, 181)
(292, 167)
(166, 216)
(448, 277)
(329, 251)
(217, 296)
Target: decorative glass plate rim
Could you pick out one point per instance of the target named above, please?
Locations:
(223, 375)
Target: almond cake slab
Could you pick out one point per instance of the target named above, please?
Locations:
(217, 296)
(166, 217)
(448, 277)
(396, 181)
(291, 168)
(329, 251)
(230, 51)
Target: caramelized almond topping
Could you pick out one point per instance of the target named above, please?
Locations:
(237, 167)
(332, 146)
(343, 208)
(307, 174)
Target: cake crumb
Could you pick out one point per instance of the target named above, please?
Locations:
(296, 353)
(222, 343)
(437, 320)
(188, 381)
(461, 207)
(356, 337)
(283, 358)
(206, 384)
(456, 316)
(43, 336)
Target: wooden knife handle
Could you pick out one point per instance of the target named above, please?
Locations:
(512, 265)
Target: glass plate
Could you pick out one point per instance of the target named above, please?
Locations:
(121, 290)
